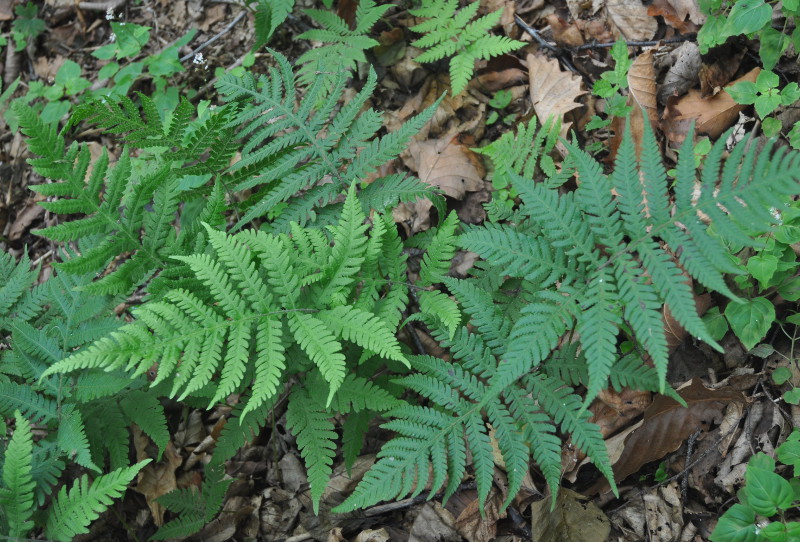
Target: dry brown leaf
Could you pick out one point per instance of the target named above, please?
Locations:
(574, 519)
(565, 33)
(683, 15)
(480, 525)
(448, 164)
(667, 424)
(683, 74)
(712, 115)
(719, 68)
(155, 479)
(642, 99)
(553, 92)
(632, 20)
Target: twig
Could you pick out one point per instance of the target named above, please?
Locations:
(216, 37)
(677, 39)
(100, 6)
(532, 32)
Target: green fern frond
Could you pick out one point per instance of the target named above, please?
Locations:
(439, 256)
(72, 439)
(195, 509)
(280, 132)
(16, 494)
(145, 410)
(310, 423)
(72, 511)
(342, 46)
(268, 17)
(449, 32)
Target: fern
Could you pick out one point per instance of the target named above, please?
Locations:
(195, 510)
(436, 440)
(450, 32)
(73, 510)
(16, 494)
(268, 17)
(128, 205)
(588, 254)
(342, 47)
(292, 144)
(251, 299)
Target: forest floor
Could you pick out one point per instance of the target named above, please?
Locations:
(684, 465)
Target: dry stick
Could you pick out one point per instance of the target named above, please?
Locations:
(216, 37)
(100, 6)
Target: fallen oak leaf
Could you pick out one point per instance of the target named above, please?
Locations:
(553, 92)
(448, 164)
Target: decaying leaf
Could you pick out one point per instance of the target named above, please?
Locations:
(448, 164)
(574, 519)
(683, 74)
(712, 115)
(667, 424)
(632, 20)
(642, 99)
(156, 479)
(553, 92)
(683, 15)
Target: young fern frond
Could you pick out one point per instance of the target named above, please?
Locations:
(450, 32)
(343, 47)
(281, 132)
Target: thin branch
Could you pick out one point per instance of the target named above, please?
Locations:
(216, 37)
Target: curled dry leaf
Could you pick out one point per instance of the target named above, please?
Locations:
(553, 92)
(632, 20)
(712, 115)
(642, 99)
(448, 164)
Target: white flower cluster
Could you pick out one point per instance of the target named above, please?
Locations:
(110, 14)
(199, 59)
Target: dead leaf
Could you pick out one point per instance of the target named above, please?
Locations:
(642, 99)
(574, 519)
(553, 92)
(683, 15)
(6, 12)
(632, 20)
(155, 479)
(712, 115)
(433, 524)
(683, 74)
(451, 166)
(480, 525)
(25, 218)
(565, 33)
(718, 69)
(667, 424)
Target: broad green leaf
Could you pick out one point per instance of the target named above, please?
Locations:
(715, 323)
(762, 267)
(790, 93)
(789, 452)
(790, 290)
(781, 375)
(772, 45)
(736, 525)
(750, 320)
(767, 80)
(771, 127)
(767, 103)
(748, 16)
(743, 92)
(767, 492)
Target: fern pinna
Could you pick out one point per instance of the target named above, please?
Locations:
(292, 144)
(265, 307)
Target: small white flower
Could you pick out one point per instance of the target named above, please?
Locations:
(112, 38)
(198, 59)
(110, 14)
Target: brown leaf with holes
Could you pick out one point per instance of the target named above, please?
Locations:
(667, 424)
(448, 164)
(553, 92)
